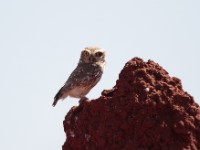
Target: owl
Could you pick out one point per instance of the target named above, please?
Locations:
(86, 75)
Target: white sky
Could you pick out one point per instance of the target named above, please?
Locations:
(40, 44)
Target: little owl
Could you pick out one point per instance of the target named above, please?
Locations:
(86, 75)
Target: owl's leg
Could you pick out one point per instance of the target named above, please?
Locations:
(83, 99)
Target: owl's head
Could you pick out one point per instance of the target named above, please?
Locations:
(93, 55)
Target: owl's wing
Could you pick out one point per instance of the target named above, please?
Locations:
(82, 76)
(76, 78)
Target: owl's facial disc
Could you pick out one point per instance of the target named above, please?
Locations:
(93, 55)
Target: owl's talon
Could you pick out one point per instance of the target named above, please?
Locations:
(83, 99)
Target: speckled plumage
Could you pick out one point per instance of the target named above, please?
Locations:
(86, 75)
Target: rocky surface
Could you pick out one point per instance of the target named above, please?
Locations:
(146, 109)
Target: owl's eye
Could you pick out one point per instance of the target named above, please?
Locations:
(98, 54)
(86, 53)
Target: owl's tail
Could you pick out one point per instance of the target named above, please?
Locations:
(57, 97)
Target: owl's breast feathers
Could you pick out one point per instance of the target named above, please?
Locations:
(85, 74)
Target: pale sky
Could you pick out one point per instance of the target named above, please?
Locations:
(40, 44)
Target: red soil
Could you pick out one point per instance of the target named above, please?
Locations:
(146, 110)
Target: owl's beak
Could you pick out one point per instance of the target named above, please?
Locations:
(92, 59)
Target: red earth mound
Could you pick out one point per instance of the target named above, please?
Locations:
(146, 109)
